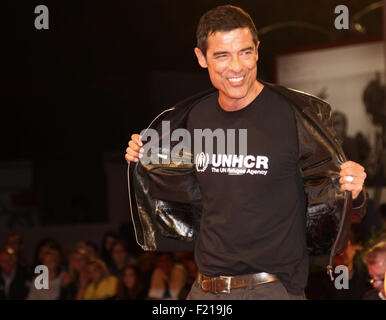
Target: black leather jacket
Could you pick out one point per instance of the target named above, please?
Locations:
(165, 199)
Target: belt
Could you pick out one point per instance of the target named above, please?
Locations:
(224, 284)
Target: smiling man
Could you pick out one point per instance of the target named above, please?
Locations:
(231, 58)
(252, 230)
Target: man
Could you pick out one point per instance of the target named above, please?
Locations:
(375, 259)
(247, 224)
(14, 278)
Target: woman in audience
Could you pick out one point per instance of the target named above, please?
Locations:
(99, 285)
(120, 257)
(71, 279)
(129, 285)
(107, 243)
(52, 260)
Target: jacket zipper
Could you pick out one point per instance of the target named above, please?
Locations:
(319, 163)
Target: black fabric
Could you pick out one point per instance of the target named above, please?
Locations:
(372, 294)
(320, 287)
(252, 222)
(19, 285)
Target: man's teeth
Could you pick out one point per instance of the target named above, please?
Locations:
(236, 79)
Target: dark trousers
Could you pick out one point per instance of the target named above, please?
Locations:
(266, 291)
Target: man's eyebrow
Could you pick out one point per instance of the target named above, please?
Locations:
(219, 53)
(247, 49)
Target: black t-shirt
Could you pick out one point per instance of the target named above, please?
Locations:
(253, 216)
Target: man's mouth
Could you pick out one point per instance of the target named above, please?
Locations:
(236, 80)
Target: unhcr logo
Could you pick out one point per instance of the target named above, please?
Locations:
(202, 161)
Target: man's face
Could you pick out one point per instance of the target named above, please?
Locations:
(7, 262)
(231, 59)
(377, 272)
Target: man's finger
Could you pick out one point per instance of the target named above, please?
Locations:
(353, 173)
(351, 179)
(133, 153)
(351, 187)
(137, 139)
(351, 164)
(130, 158)
(134, 146)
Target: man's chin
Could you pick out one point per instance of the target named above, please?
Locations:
(235, 93)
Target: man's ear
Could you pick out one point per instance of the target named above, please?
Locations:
(201, 58)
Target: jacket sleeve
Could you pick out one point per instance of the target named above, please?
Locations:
(359, 204)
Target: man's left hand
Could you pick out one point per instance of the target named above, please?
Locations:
(352, 177)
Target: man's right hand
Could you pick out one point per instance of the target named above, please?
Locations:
(134, 151)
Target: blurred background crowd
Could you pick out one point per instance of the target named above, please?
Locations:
(91, 271)
(112, 269)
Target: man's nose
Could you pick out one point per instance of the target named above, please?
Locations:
(235, 65)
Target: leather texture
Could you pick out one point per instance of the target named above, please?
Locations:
(165, 199)
(223, 284)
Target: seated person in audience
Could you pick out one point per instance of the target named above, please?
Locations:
(14, 277)
(44, 245)
(375, 260)
(99, 285)
(146, 264)
(168, 278)
(71, 279)
(108, 240)
(120, 257)
(52, 260)
(129, 285)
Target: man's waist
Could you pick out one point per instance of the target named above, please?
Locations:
(224, 284)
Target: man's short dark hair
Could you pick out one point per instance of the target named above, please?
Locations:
(223, 18)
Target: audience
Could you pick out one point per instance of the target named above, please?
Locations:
(375, 260)
(75, 274)
(130, 286)
(44, 245)
(52, 260)
(14, 277)
(168, 278)
(120, 257)
(15, 241)
(107, 243)
(99, 285)
(146, 264)
(120, 274)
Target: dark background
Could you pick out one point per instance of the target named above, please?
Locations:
(74, 93)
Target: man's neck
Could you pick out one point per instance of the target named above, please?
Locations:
(231, 104)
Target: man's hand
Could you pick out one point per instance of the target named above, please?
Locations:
(352, 177)
(134, 151)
